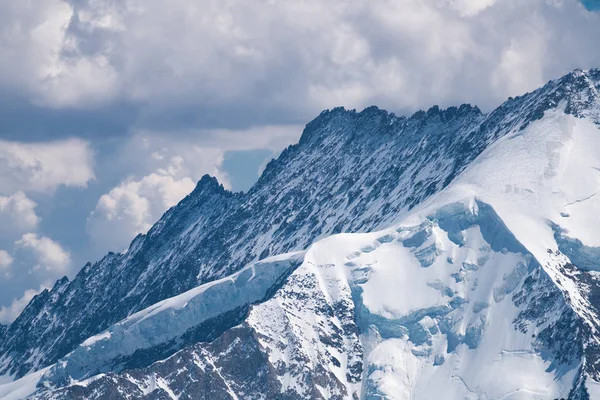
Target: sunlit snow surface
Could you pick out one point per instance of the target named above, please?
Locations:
(439, 330)
(172, 318)
(482, 292)
(435, 307)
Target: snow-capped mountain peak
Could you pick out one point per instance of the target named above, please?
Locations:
(468, 269)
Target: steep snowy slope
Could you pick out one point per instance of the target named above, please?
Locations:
(350, 172)
(190, 317)
(488, 290)
(454, 307)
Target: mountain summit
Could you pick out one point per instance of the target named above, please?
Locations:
(451, 254)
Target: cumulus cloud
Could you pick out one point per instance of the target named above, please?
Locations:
(195, 62)
(11, 312)
(41, 167)
(46, 257)
(17, 214)
(5, 262)
(168, 155)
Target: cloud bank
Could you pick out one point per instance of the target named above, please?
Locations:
(17, 214)
(252, 62)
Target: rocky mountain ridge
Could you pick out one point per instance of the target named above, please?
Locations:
(350, 172)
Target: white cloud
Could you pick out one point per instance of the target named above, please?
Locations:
(46, 256)
(11, 312)
(5, 263)
(176, 157)
(35, 47)
(283, 59)
(42, 167)
(5, 259)
(17, 214)
(469, 8)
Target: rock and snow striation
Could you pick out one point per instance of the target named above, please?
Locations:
(454, 307)
(172, 323)
(486, 286)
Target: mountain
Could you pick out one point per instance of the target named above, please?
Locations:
(483, 282)
(314, 189)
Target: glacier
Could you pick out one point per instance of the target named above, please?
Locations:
(172, 319)
(470, 276)
(350, 323)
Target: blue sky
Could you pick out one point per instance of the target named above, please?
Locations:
(111, 111)
(593, 5)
